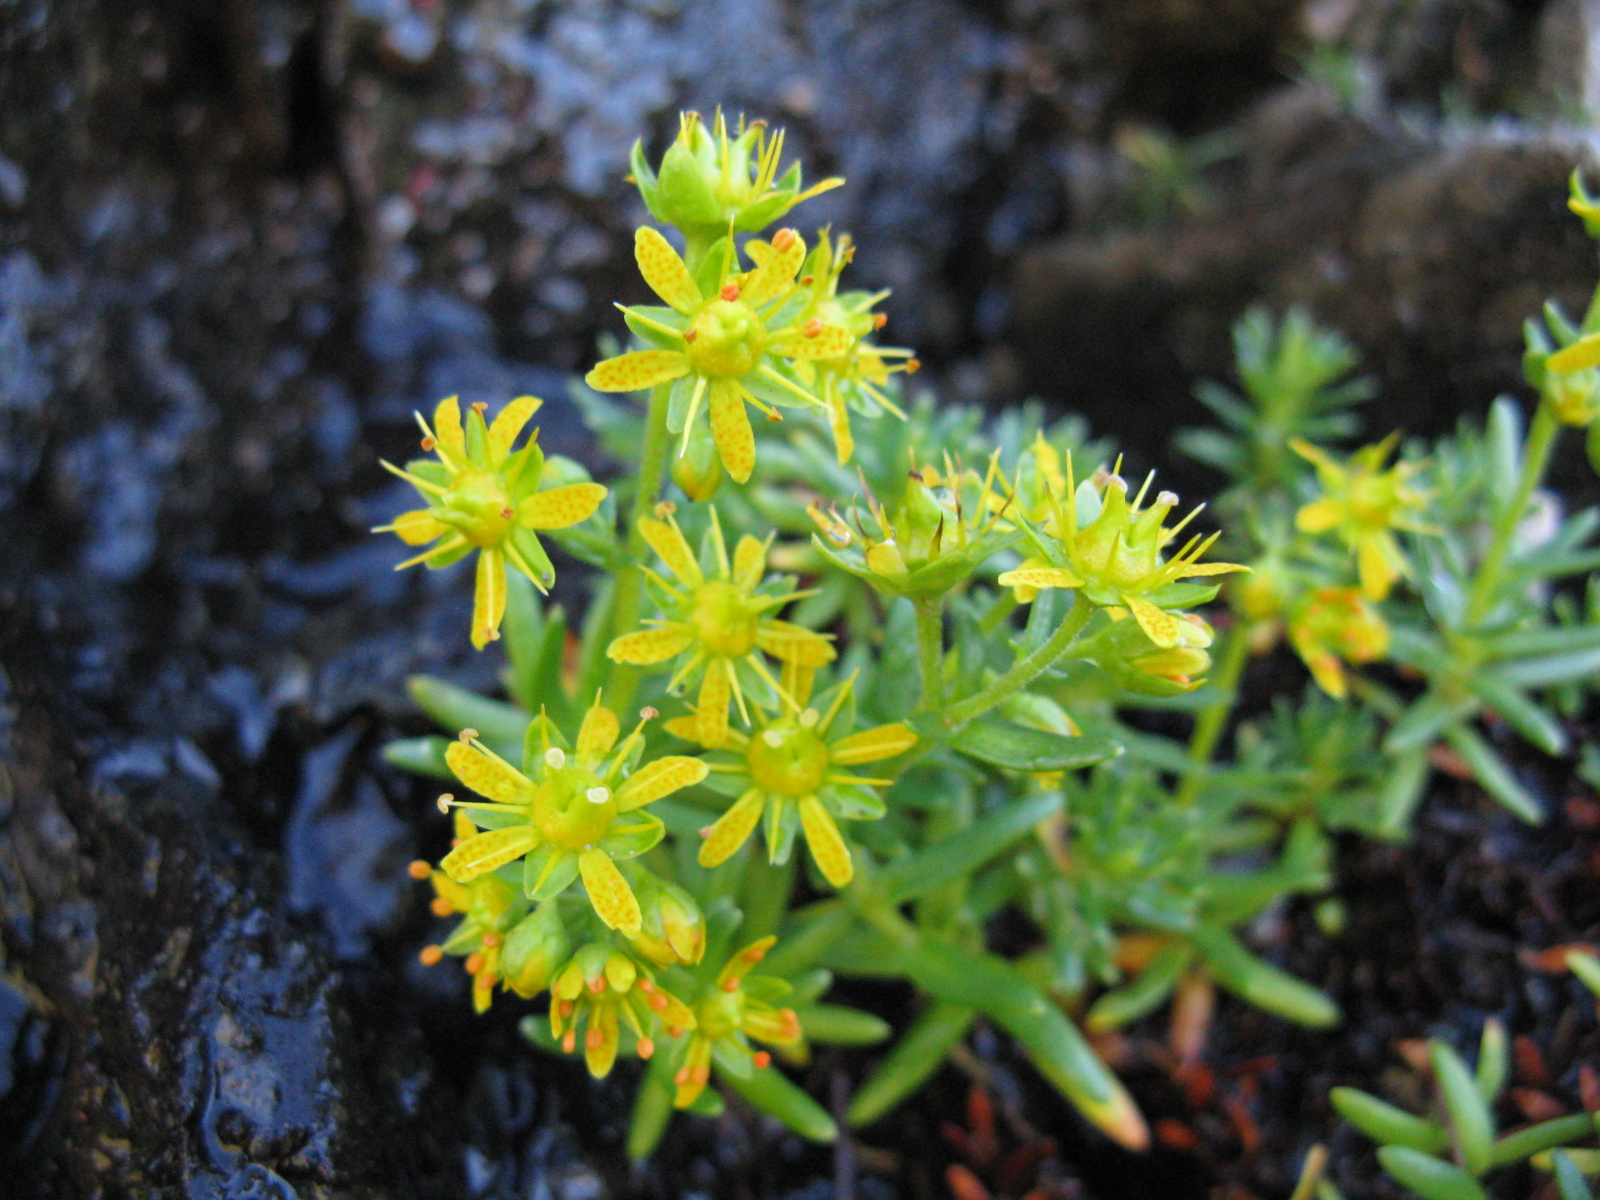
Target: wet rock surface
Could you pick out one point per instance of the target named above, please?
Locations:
(240, 242)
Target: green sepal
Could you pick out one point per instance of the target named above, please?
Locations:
(645, 320)
(1183, 595)
(449, 558)
(774, 1094)
(562, 868)
(733, 1059)
(1261, 984)
(1489, 769)
(714, 267)
(1002, 744)
(477, 438)
(1429, 1177)
(541, 730)
(632, 834)
(683, 196)
(644, 178)
(526, 545)
(852, 801)
(914, 1058)
(1386, 1124)
(709, 1103)
(525, 468)
(430, 469)
(652, 1109)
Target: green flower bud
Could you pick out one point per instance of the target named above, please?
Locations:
(674, 929)
(698, 470)
(1574, 396)
(533, 950)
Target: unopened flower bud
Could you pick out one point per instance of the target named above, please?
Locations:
(698, 470)
(534, 948)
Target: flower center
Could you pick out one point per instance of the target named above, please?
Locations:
(477, 505)
(720, 1013)
(1372, 501)
(722, 620)
(572, 808)
(788, 758)
(728, 339)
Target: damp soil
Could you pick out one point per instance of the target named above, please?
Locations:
(240, 243)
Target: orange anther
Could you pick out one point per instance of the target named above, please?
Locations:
(646, 1047)
(730, 985)
(705, 831)
(569, 1040)
(691, 335)
(649, 713)
(440, 907)
(597, 984)
(879, 320)
(682, 1077)
(754, 954)
(419, 869)
(783, 239)
(645, 986)
(428, 443)
(481, 406)
(812, 327)
(491, 939)
(730, 291)
(701, 1073)
(431, 955)
(657, 1002)
(762, 1058)
(566, 1008)
(508, 512)
(474, 963)
(913, 365)
(774, 415)
(675, 1031)
(593, 1038)
(487, 980)
(807, 280)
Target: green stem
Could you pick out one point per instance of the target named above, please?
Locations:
(1535, 457)
(1213, 719)
(930, 650)
(1025, 670)
(630, 580)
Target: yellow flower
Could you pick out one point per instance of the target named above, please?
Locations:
(1363, 504)
(714, 625)
(791, 768)
(603, 990)
(1334, 624)
(566, 813)
(726, 345)
(483, 496)
(726, 1016)
(489, 908)
(710, 182)
(1109, 549)
(857, 376)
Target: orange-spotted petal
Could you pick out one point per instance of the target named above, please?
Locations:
(503, 433)
(561, 507)
(730, 430)
(732, 829)
(775, 275)
(417, 527)
(486, 773)
(659, 778)
(646, 647)
(686, 727)
(711, 710)
(872, 745)
(637, 370)
(1319, 516)
(1160, 627)
(609, 892)
(664, 271)
(794, 643)
(1039, 577)
(597, 735)
(666, 539)
(823, 839)
(600, 1040)
(487, 851)
(447, 432)
(488, 597)
(749, 562)
(826, 341)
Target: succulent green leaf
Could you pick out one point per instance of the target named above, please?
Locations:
(915, 1057)
(1261, 984)
(774, 1094)
(1429, 1177)
(836, 1025)
(1471, 1125)
(1386, 1124)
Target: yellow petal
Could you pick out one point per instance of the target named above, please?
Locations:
(775, 276)
(749, 562)
(597, 735)
(486, 851)
(486, 773)
(452, 442)
(686, 727)
(694, 1072)
(1377, 575)
(1039, 577)
(827, 847)
(794, 643)
(508, 424)
(830, 341)
(1328, 671)
(636, 370)
(870, 745)
(659, 778)
(664, 271)
(1319, 516)
(730, 430)
(1581, 355)
(600, 1040)
(732, 829)
(561, 507)
(650, 646)
(417, 527)
(1160, 627)
(711, 711)
(488, 598)
(844, 442)
(1196, 569)
(666, 539)
(609, 892)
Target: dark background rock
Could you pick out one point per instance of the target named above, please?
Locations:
(240, 242)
